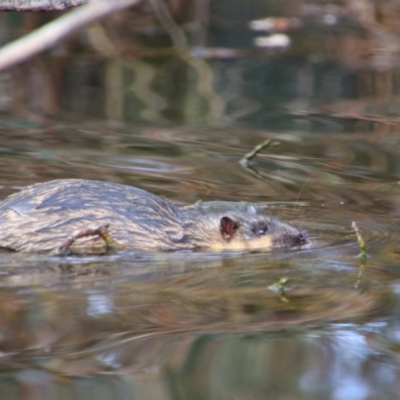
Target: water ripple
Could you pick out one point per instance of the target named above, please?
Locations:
(331, 227)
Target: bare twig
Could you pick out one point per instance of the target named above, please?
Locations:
(363, 253)
(163, 14)
(250, 155)
(245, 163)
(50, 34)
(39, 5)
(360, 239)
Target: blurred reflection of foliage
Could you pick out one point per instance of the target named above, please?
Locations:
(190, 62)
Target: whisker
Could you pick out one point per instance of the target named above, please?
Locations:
(298, 196)
(314, 212)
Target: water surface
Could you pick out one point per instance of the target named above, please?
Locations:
(198, 325)
(211, 324)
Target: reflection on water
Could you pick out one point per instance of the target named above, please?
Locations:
(203, 324)
(338, 365)
(208, 326)
(170, 325)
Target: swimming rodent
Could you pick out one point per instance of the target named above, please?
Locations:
(42, 218)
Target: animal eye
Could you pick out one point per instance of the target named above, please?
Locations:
(262, 230)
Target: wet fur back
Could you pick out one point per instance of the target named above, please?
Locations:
(41, 217)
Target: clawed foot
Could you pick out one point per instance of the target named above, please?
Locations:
(101, 230)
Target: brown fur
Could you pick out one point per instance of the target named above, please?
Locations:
(41, 217)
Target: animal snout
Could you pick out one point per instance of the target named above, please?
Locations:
(301, 239)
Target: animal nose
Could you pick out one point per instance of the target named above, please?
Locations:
(301, 239)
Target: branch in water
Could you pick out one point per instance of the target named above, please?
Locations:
(360, 239)
(50, 34)
(363, 254)
(250, 155)
(39, 5)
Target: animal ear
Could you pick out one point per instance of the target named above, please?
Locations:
(228, 227)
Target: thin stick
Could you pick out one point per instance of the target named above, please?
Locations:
(363, 253)
(50, 34)
(360, 240)
(250, 155)
(39, 5)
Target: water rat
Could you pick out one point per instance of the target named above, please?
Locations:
(60, 214)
